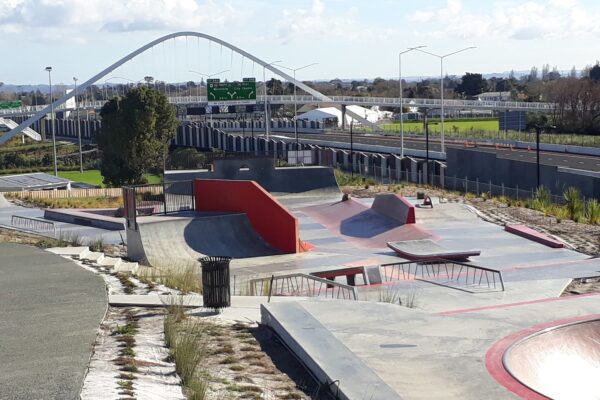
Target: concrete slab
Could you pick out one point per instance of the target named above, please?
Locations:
(77, 252)
(93, 257)
(51, 311)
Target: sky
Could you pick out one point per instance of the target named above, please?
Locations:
(347, 38)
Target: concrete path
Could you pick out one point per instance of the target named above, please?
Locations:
(50, 313)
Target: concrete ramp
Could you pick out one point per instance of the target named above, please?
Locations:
(161, 241)
(3, 202)
(362, 225)
(427, 249)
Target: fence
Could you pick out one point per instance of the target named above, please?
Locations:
(63, 194)
(390, 176)
(32, 224)
(301, 285)
(163, 198)
(453, 274)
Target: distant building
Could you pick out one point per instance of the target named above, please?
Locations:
(328, 114)
(493, 96)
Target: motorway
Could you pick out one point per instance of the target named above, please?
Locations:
(584, 162)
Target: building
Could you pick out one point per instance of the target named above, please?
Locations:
(327, 115)
(493, 96)
(33, 181)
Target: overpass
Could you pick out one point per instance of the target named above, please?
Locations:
(332, 100)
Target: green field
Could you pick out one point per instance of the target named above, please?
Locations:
(93, 177)
(454, 127)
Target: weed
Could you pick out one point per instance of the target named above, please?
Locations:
(236, 367)
(592, 211)
(574, 203)
(184, 277)
(97, 244)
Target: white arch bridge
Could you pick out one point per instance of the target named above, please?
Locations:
(312, 96)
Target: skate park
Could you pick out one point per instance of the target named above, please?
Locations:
(477, 288)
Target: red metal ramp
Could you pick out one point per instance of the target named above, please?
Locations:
(427, 249)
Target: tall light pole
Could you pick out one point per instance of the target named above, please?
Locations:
(78, 127)
(296, 105)
(267, 123)
(49, 69)
(442, 57)
(208, 76)
(401, 94)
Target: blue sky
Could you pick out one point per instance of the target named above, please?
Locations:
(348, 38)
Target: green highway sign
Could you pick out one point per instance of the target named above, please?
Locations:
(10, 104)
(231, 93)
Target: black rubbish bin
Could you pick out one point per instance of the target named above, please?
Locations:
(215, 282)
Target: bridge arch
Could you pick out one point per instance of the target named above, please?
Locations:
(82, 87)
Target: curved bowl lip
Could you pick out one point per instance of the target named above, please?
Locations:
(495, 357)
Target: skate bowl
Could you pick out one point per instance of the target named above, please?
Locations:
(183, 240)
(556, 361)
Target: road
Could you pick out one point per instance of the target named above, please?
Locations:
(51, 311)
(584, 162)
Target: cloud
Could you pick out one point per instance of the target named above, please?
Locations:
(75, 19)
(318, 22)
(518, 20)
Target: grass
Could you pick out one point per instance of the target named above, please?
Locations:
(392, 295)
(93, 177)
(184, 277)
(490, 129)
(77, 202)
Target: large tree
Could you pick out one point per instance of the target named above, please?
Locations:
(471, 84)
(135, 135)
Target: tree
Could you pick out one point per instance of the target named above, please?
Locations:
(595, 72)
(135, 135)
(533, 74)
(471, 84)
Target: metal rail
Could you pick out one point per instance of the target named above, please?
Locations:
(300, 284)
(32, 224)
(347, 100)
(453, 274)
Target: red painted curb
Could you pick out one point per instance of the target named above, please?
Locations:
(493, 358)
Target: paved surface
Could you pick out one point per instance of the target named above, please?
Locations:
(66, 230)
(589, 163)
(50, 313)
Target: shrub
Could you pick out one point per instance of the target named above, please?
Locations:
(592, 211)
(574, 204)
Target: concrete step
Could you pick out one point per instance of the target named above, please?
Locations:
(125, 266)
(75, 252)
(110, 262)
(93, 257)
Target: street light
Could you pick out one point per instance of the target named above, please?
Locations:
(49, 69)
(296, 105)
(207, 76)
(441, 57)
(78, 127)
(401, 95)
(267, 123)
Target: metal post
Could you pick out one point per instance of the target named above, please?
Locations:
(49, 69)
(537, 151)
(351, 149)
(426, 122)
(78, 127)
(442, 98)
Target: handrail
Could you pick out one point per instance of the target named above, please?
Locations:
(32, 224)
(300, 284)
(453, 274)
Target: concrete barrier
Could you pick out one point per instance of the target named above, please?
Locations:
(395, 207)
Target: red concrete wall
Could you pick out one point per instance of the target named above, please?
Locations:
(271, 220)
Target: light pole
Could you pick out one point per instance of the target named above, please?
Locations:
(538, 130)
(296, 105)
(78, 127)
(441, 57)
(267, 123)
(401, 94)
(208, 77)
(49, 69)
